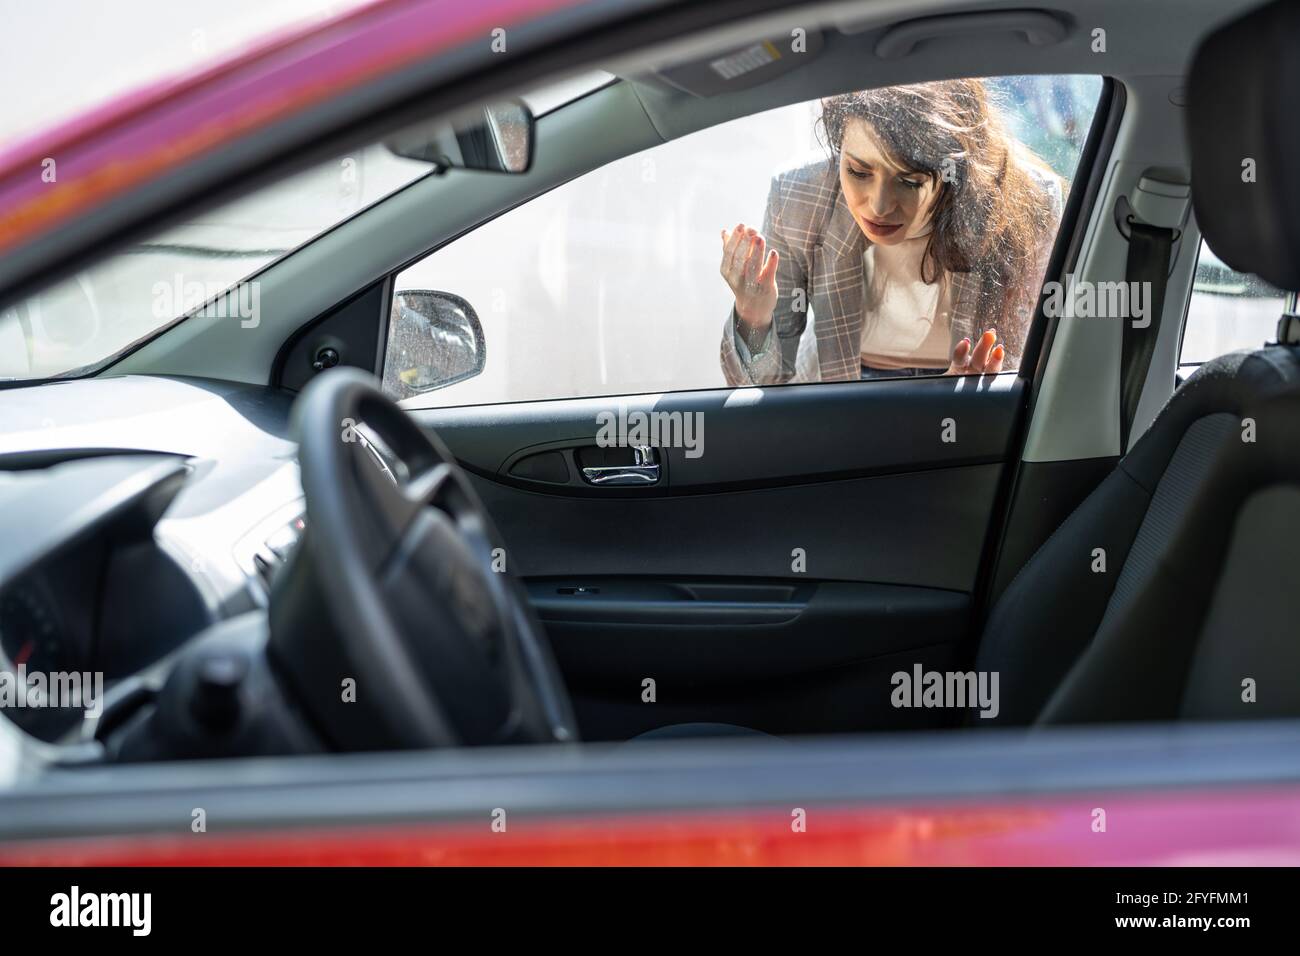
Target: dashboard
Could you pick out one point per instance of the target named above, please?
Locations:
(135, 512)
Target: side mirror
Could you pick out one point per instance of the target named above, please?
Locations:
(498, 138)
(435, 339)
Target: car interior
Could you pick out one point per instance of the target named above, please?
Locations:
(266, 554)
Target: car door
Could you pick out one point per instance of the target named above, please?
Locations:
(762, 556)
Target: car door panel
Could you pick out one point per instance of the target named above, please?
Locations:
(819, 539)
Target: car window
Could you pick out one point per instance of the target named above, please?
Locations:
(1227, 311)
(614, 283)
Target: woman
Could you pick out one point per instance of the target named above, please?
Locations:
(928, 225)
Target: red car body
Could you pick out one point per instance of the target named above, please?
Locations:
(119, 149)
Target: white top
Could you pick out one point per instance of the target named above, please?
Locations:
(903, 324)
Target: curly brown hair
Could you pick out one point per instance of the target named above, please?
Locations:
(992, 216)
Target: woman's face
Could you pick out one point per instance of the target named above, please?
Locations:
(890, 203)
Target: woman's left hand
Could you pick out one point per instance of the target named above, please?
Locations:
(984, 358)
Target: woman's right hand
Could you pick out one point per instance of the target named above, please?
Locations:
(750, 270)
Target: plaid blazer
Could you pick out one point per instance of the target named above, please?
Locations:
(821, 246)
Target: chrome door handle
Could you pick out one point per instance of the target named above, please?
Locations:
(644, 470)
(622, 475)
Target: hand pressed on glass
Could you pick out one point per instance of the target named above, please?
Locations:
(985, 358)
(749, 268)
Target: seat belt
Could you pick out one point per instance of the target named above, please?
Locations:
(1149, 248)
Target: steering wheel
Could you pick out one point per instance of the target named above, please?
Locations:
(395, 621)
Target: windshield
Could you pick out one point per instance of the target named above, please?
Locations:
(84, 321)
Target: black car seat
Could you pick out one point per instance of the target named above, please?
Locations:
(1198, 613)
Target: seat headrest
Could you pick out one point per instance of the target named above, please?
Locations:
(1244, 131)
